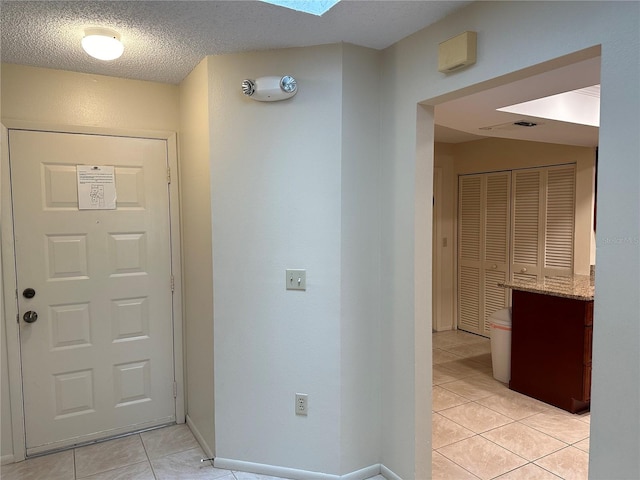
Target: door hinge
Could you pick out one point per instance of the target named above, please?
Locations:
(175, 390)
(168, 174)
(17, 318)
(173, 284)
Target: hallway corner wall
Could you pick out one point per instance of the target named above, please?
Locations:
(197, 254)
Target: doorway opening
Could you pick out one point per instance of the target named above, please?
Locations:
(474, 139)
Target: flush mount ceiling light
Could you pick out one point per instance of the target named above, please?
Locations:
(102, 43)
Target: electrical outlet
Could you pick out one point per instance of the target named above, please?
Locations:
(302, 403)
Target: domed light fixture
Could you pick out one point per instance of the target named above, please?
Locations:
(102, 43)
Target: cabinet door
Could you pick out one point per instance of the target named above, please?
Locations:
(548, 349)
(559, 221)
(543, 223)
(526, 225)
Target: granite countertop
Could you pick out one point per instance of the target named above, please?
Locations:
(578, 287)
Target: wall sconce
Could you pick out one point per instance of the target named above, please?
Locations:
(270, 89)
(102, 43)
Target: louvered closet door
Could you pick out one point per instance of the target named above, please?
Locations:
(496, 245)
(527, 233)
(559, 222)
(483, 246)
(543, 223)
(469, 240)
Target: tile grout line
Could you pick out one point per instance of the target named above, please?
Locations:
(457, 464)
(144, 447)
(114, 468)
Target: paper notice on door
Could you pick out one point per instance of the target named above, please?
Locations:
(96, 187)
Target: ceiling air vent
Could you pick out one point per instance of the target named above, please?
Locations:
(512, 126)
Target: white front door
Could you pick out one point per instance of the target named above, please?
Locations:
(98, 360)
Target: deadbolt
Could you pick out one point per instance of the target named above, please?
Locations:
(30, 316)
(28, 293)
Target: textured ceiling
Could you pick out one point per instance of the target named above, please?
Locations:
(165, 40)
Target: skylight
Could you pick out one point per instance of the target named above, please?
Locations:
(314, 7)
(578, 106)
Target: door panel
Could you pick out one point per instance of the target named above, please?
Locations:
(98, 361)
(483, 227)
(527, 238)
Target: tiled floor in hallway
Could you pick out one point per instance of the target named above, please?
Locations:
(170, 453)
(166, 453)
(481, 429)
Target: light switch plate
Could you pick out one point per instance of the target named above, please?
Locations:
(296, 279)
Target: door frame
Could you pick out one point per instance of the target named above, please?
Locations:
(9, 280)
(437, 252)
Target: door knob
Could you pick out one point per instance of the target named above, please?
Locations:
(30, 316)
(28, 293)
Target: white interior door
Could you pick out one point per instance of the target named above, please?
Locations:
(98, 361)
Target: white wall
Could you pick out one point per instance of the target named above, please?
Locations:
(509, 40)
(360, 407)
(195, 190)
(69, 98)
(295, 185)
(399, 366)
(55, 97)
(276, 204)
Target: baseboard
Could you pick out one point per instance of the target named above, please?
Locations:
(363, 473)
(271, 470)
(262, 469)
(274, 471)
(208, 451)
(388, 474)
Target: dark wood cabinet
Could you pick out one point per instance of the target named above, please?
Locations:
(551, 349)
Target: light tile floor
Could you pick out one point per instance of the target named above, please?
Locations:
(166, 453)
(483, 430)
(170, 453)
